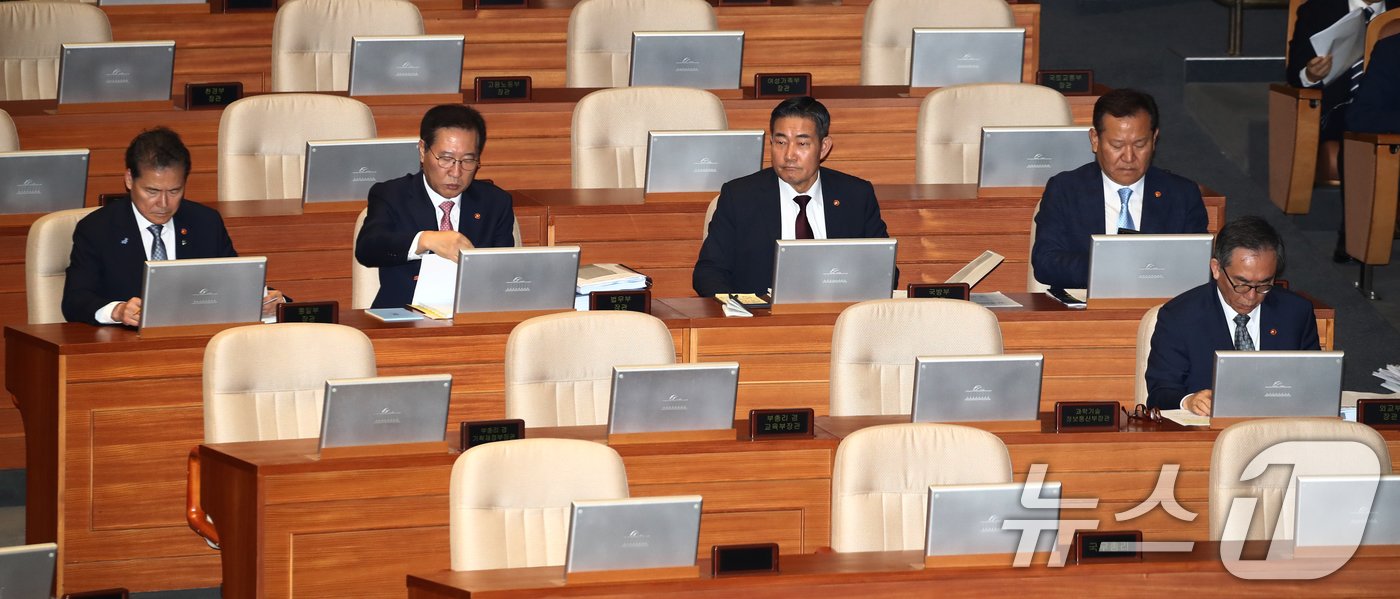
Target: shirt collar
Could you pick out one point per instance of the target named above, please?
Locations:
(438, 198)
(1111, 187)
(142, 222)
(1376, 8)
(1230, 312)
(787, 192)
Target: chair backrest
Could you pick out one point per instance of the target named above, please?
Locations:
(609, 141)
(599, 52)
(46, 253)
(1146, 327)
(364, 280)
(1033, 285)
(949, 134)
(262, 140)
(31, 34)
(267, 381)
(1238, 445)
(875, 342)
(311, 39)
(879, 484)
(9, 136)
(1384, 25)
(889, 31)
(709, 216)
(559, 366)
(1292, 22)
(510, 500)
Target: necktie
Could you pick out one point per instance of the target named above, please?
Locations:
(1125, 217)
(446, 224)
(1242, 340)
(801, 228)
(1356, 70)
(157, 244)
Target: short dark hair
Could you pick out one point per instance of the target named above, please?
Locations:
(1249, 233)
(156, 149)
(452, 116)
(1124, 102)
(805, 107)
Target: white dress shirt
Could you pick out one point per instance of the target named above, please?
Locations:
(436, 200)
(167, 234)
(1112, 204)
(1252, 327)
(788, 208)
(1352, 6)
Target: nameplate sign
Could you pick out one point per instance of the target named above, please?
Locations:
(1086, 416)
(503, 89)
(960, 291)
(781, 424)
(1069, 83)
(1380, 414)
(1095, 547)
(210, 96)
(635, 300)
(743, 560)
(481, 432)
(782, 85)
(324, 312)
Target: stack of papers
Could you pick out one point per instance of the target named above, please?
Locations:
(1390, 377)
(609, 277)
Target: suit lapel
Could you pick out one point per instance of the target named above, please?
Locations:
(1268, 325)
(128, 240)
(769, 212)
(1092, 200)
(1213, 317)
(1154, 203)
(420, 208)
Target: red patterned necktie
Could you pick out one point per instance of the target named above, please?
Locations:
(446, 224)
(802, 229)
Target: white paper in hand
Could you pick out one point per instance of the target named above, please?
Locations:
(437, 284)
(1345, 40)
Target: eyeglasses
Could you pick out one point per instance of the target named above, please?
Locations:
(447, 162)
(1261, 288)
(1142, 412)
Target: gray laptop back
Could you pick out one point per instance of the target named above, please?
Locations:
(674, 397)
(1277, 383)
(833, 270)
(344, 170)
(511, 279)
(406, 64)
(703, 59)
(977, 388)
(943, 57)
(967, 519)
(384, 410)
(627, 534)
(42, 181)
(203, 291)
(700, 160)
(26, 571)
(1147, 266)
(115, 72)
(1340, 510)
(1029, 156)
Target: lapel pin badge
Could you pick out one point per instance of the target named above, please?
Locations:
(836, 202)
(184, 231)
(1273, 332)
(477, 216)
(125, 239)
(1156, 194)
(184, 242)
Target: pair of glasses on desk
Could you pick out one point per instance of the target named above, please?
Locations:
(1141, 412)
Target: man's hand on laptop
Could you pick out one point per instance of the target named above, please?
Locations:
(270, 301)
(443, 243)
(128, 312)
(1198, 403)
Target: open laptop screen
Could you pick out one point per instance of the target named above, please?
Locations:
(1277, 383)
(833, 270)
(512, 279)
(703, 59)
(1147, 266)
(679, 161)
(386, 409)
(406, 64)
(673, 397)
(203, 291)
(943, 57)
(42, 181)
(344, 170)
(115, 72)
(977, 388)
(1029, 156)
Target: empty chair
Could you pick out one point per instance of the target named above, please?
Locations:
(949, 136)
(599, 52)
(1146, 327)
(9, 137)
(31, 35)
(609, 138)
(889, 31)
(262, 140)
(311, 39)
(46, 253)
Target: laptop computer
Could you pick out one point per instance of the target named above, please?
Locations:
(636, 533)
(1029, 156)
(1147, 266)
(700, 160)
(115, 72)
(673, 397)
(511, 279)
(833, 270)
(977, 388)
(344, 170)
(943, 57)
(703, 59)
(42, 181)
(1340, 511)
(1277, 383)
(385, 410)
(967, 519)
(202, 291)
(406, 64)
(26, 571)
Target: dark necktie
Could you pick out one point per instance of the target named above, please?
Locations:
(1242, 340)
(157, 244)
(801, 228)
(1356, 71)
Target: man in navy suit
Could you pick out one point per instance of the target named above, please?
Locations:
(1240, 310)
(111, 245)
(794, 199)
(1376, 108)
(440, 209)
(1306, 69)
(1121, 190)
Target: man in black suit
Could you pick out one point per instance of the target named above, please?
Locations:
(1121, 190)
(1306, 69)
(111, 245)
(794, 199)
(1240, 310)
(1376, 108)
(440, 209)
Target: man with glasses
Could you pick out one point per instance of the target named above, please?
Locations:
(439, 210)
(1240, 310)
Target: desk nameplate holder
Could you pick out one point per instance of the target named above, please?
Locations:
(391, 449)
(981, 560)
(641, 574)
(513, 316)
(117, 107)
(189, 330)
(722, 434)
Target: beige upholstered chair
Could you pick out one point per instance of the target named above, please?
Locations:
(311, 39)
(599, 50)
(1239, 444)
(875, 342)
(559, 366)
(364, 280)
(709, 216)
(609, 141)
(46, 253)
(890, 24)
(1033, 285)
(510, 500)
(31, 34)
(262, 140)
(9, 137)
(949, 136)
(879, 485)
(1146, 327)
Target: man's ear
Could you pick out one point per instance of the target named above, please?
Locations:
(827, 144)
(130, 181)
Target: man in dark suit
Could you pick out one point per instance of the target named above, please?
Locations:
(1120, 190)
(439, 210)
(1376, 108)
(111, 245)
(1240, 310)
(794, 199)
(1306, 69)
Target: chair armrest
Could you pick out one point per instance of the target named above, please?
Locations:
(195, 516)
(1375, 139)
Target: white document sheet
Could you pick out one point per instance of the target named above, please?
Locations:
(437, 284)
(994, 299)
(1186, 418)
(1345, 40)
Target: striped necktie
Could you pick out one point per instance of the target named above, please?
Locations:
(1356, 71)
(1125, 216)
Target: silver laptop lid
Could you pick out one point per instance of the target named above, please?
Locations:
(673, 397)
(967, 519)
(115, 72)
(1147, 266)
(944, 56)
(1277, 383)
(27, 570)
(700, 160)
(405, 64)
(202, 291)
(703, 59)
(344, 170)
(1337, 511)
(42, 181)
(627, 534)
(977, 388)
(833, 270)
(386, 409)
(510, 279)
(1029, 156)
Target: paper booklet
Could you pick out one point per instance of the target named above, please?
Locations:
(978, 269)
(435, 294)
(609, 277)
(1345, 41)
